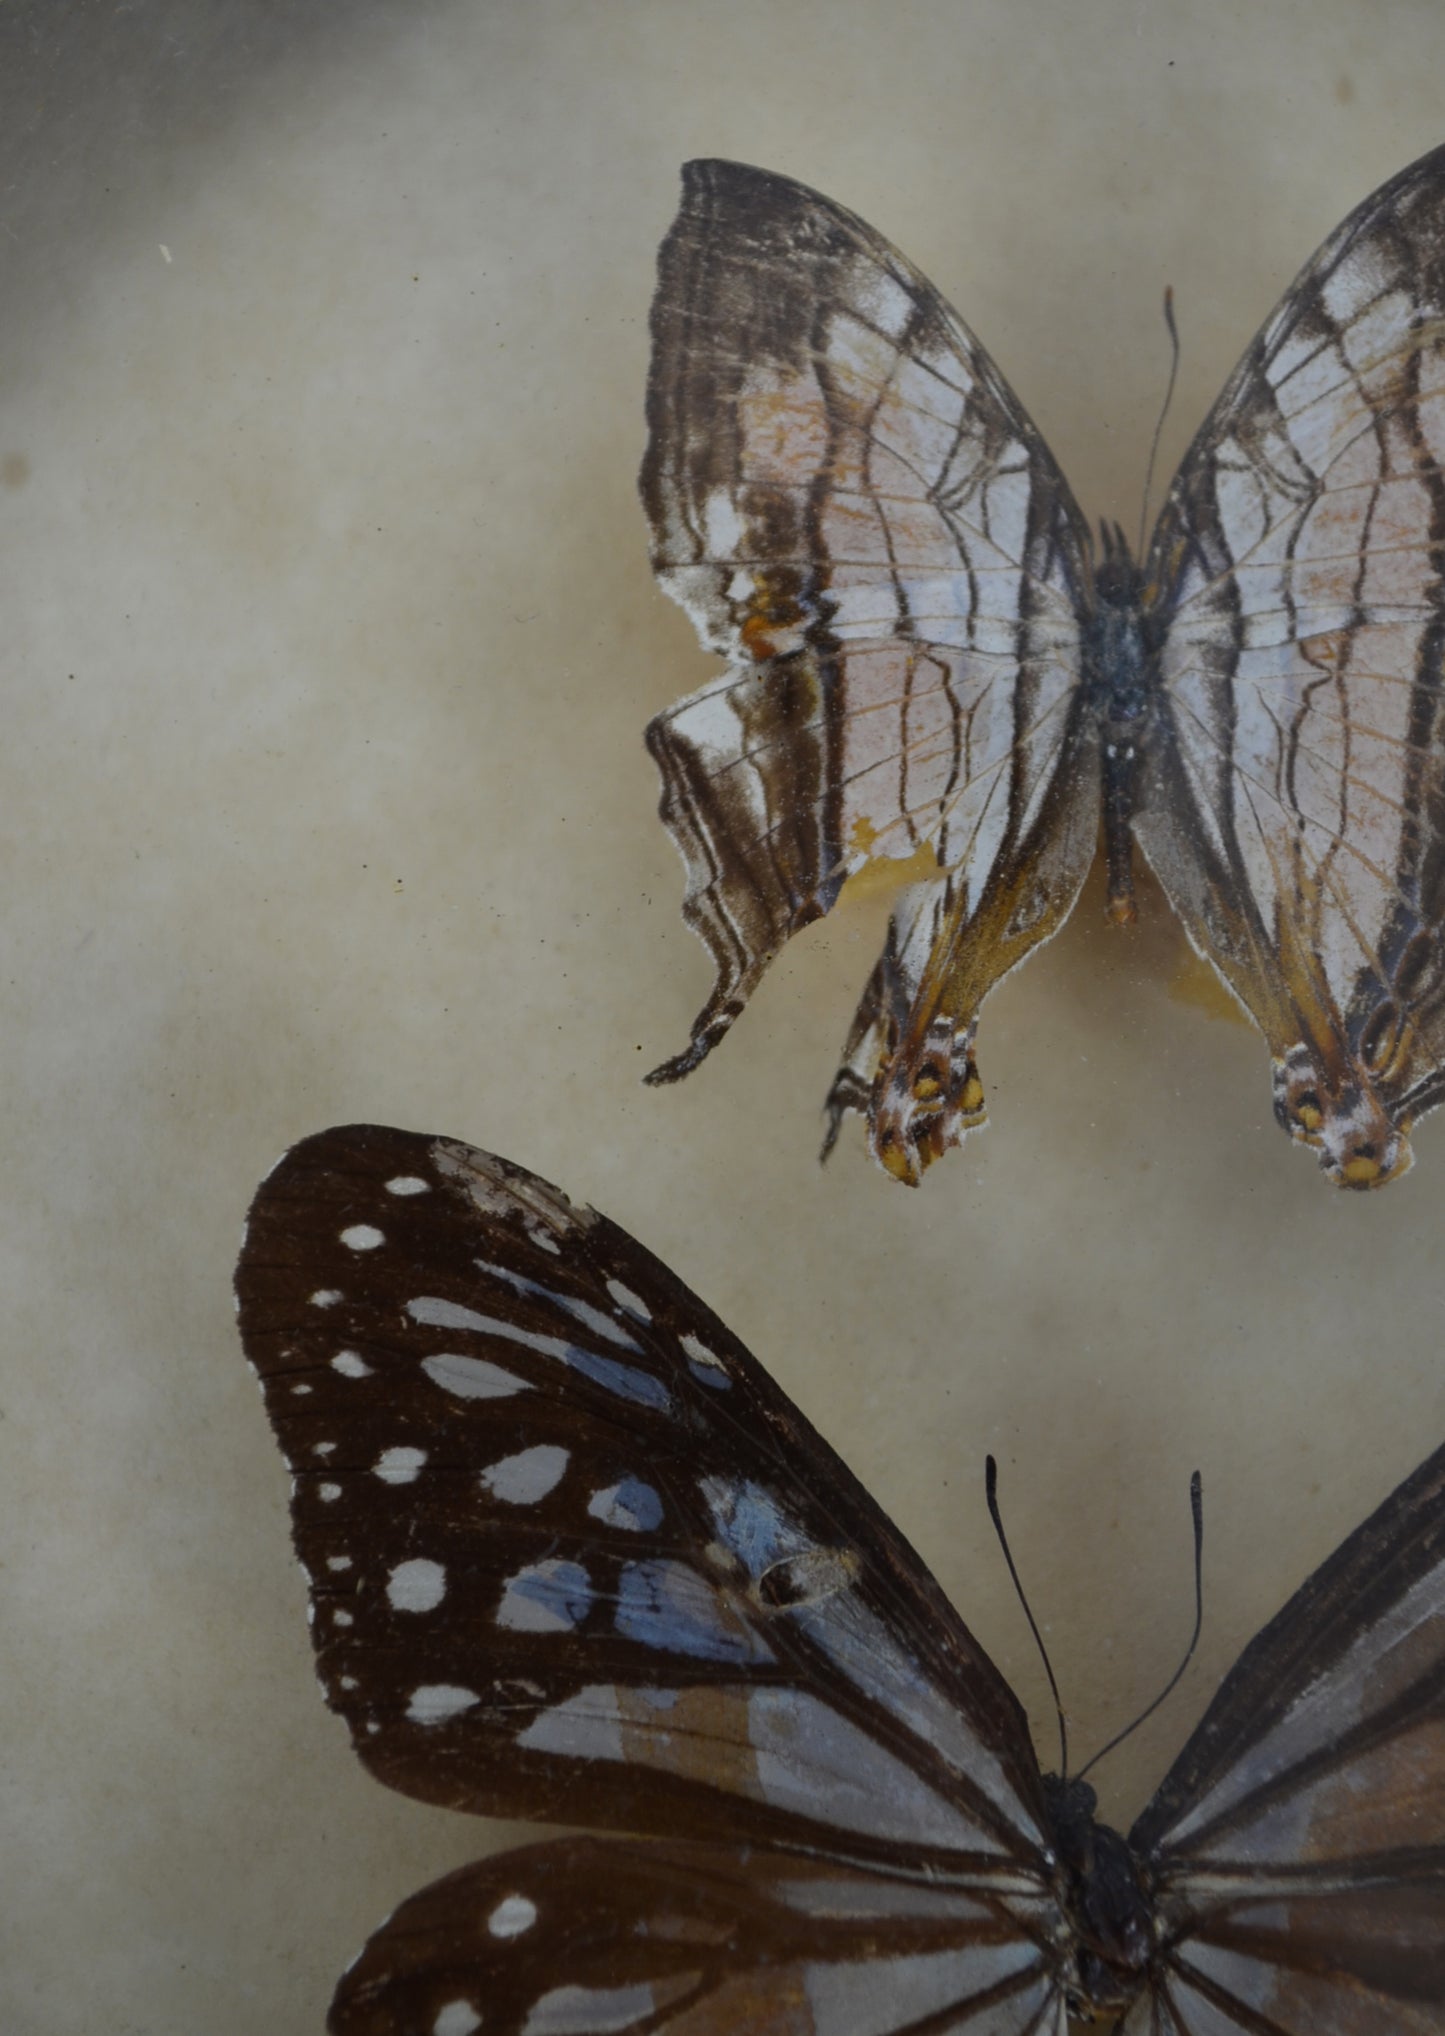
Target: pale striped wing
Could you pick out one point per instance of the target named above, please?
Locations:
(572, 1555)
(1298, 1844)
(1295, 796)
(596, 1937)
(856, 512)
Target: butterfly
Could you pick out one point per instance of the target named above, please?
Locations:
(572, 1555)
(932, 663)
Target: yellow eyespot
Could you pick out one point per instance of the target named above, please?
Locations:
(926, 1089)
(1309, 1116)
(1359, 1171)
(972, 1097)
(895, 1159)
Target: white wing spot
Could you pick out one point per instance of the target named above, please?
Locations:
(300, 1390)
(625, 1380)
(630, 1504)
(433, 1703)
(596, 2011)
(471, 1378)
(885, 301)
(443, 1314)
(346, 1682)
(633, 1303)
(351, 1365)
(328, 1492)
(586, 1726)
(522, 1479)
(596, 1319)
(416, 1586)
(362, 1237)
(342, 1618)
(326, 1297)
(338, 1562)
(546, 1597)
(698, 1351)
(399, 1466)
(322, 1448)
(408, 1184)
(543, 1239)
(457, 2018)
(511, 1917)
(722, 526)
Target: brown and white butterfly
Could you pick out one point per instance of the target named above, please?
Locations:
(572, 1555)
(930, 662)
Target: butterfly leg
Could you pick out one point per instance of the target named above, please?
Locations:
(908, 1065)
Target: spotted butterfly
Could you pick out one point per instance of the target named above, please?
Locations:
(931, 663)
(573, 1556)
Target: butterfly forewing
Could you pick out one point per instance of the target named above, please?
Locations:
(581, 1936)
(1296, 811)
(572, 1554)
(1299, 1840)
(855, 510)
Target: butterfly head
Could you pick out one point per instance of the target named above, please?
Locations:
(1359, 1144)
(926, 1097)
(1118, 578)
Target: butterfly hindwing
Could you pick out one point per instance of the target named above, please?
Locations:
(1295, 811)
(583, 1936)
(856, 512)
(572, 1554)
(1298, 1843)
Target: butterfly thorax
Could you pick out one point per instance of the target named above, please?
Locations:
(1104, 1901)
(1118, 671)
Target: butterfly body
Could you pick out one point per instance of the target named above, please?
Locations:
(932, 663)
(1110, 1941)
(572, 1555)
(1120, 682)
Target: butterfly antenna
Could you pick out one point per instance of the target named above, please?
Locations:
(990, 1487)
(1163, 413)
(1196, 1507)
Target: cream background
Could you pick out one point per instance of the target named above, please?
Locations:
(329, 640)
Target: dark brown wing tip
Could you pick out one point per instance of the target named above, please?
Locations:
(713, 172)
(746, 193)
(692, 1056)
(713, 1023)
